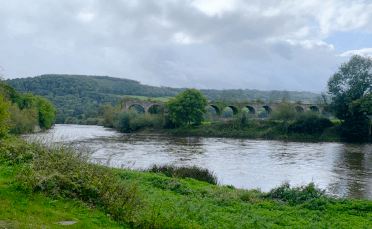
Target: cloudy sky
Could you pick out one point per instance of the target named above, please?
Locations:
(220, 44)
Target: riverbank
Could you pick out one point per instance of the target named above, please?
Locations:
(255, 130)
(40, 187)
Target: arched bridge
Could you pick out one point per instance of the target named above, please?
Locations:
(235, 107)
(146, 105)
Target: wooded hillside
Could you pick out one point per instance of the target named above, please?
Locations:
(74, 95)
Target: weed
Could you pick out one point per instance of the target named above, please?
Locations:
(182, 172)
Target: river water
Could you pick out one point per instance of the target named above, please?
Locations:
(344, 170)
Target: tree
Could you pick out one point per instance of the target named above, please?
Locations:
(47, 112)
(347, 87)
(188, 106)
(352, 81)
(285, 111)
(4, 116)
(364, 106)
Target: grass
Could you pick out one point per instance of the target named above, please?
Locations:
(40, 186)
(19, 209)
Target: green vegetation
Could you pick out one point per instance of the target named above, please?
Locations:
(21, 113)
(78, 96)
(188, 106)
(184, 172)
(351, 88)
(40, 187)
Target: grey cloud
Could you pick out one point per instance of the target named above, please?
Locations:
(136, 41)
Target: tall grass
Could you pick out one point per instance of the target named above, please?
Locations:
(63, 172)
(296, 195)
(195, 172)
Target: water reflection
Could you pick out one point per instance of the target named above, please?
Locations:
(343, 169)
(353, 172)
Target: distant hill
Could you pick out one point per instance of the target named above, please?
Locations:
(74, 95)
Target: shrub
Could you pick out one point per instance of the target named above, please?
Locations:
(129, 121)
(296, 195)
(355, 129)
(122, 120)
(22, 121)
(182, 172)
(310, 123)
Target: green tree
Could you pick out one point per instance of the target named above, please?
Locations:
(4, 116)
(47, 112)
(188, 106)
(285, 112)
(364, 106)
(350, 84)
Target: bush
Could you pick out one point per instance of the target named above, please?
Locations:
(122, 120)
(183, 172)
(296, 195)
(130, 121)
(355, 129)
(310, 123)
(22, 121)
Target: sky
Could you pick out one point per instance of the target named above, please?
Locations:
(222, 44)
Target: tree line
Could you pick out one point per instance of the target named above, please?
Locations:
(78, 95)
(22, 113)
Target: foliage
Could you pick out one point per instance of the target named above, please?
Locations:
(310, 123)
(347, 87)
(296, 195)
(284, 112)
(352, 81)
(63, 172)
(355, 129)
(4, 116)
(363, 107)
(47, 112)
(183, 172)
(22, 121)
(74, 95)
(188, 106)
(109, 113)
(27, 111)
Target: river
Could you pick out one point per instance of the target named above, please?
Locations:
(344, 170)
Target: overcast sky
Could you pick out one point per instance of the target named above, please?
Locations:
(221, 44)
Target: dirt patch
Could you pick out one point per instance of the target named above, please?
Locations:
(6, 224)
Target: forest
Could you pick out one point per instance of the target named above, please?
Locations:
(75, 95)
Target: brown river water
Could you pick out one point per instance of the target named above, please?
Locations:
(344, 170)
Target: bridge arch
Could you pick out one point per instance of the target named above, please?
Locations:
(216, 108)
(154, 109)
(138, 107)
(299, 109)
(314, 109)
(251, 109)
(234, 109)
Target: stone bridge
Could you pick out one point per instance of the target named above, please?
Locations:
(235, 107)
(146, 105)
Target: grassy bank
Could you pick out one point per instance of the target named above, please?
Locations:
(262, 129)
(42, 186)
